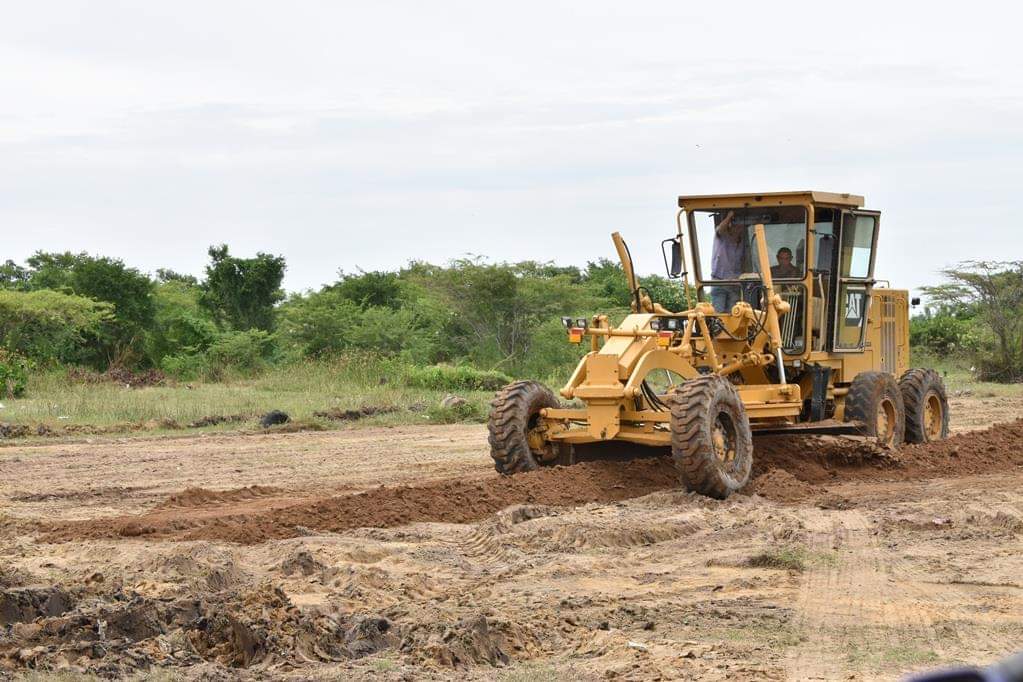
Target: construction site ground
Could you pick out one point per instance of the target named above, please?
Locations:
(398, 553)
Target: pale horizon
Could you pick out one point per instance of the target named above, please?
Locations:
(354, 137)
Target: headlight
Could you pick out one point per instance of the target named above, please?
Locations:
(567, 321)
(672, 323)
(655, 324)
(581, 323)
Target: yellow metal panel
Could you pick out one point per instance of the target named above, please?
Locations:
(646, 416)
(763, 410)
(601, 370)
(697, 201)
(770, 393)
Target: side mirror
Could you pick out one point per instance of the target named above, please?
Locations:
(675, 267)
(915, 301)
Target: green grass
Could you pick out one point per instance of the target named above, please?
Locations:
(535, 672)
(900, 655)
(383, 665)
(299, 389)
(793, 558)
(957, 376)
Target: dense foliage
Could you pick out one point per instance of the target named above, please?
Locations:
(469, 323)
(980, 314)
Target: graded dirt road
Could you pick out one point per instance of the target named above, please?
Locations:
(397, 553)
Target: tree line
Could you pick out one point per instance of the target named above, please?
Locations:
(76, 309)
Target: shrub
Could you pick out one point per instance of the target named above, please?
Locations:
(941, 333)
(246, 351)
(317, 324)
(453, 378)
(13, 374)
(185, 365)
(458, 413)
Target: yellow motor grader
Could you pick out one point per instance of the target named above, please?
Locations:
(786, 331)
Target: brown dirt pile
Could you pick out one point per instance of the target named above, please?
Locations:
(201, 497)
(118, 633)
(787, 470)
(337, 414)
(450, 500)
(781, 486)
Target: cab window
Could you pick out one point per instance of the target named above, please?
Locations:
(854, 270)
(726, 246)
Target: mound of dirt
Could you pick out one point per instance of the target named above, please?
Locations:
(214, 419)
(337, 414)
(787, 470)
(450, 500)
(115, 634)
(201, 497)
(781, 486)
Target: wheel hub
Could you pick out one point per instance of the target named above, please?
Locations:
(885, 422)
(933, 417)
(723, 437)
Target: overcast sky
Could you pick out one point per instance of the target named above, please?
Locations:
(350, 135)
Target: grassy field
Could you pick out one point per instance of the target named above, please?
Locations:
(299, 389)
(957, 377)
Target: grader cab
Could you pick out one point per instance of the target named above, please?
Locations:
(786, 331)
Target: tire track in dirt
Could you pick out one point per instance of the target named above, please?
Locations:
(865, 604)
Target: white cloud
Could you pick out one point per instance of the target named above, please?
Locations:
(345, 135)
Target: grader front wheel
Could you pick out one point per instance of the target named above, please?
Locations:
(516, 438)
(711, 441)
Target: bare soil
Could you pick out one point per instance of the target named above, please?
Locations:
(397, 553)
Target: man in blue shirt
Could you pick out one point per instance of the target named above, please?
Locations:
(728, 258)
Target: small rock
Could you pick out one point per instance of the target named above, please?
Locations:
(451, 400)
(274, 417)
(638, 647)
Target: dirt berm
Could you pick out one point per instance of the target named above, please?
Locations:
(787, 470)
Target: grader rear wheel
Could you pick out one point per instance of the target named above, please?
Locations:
(923, 393)
(711, 441)
(875, 401)
(516, 437)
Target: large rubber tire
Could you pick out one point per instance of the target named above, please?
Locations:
(515, 411)
(923, 393)
(874, 400)
(711, 441)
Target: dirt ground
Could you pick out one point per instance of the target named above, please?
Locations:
(397, 553)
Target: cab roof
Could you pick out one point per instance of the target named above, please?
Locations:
(844, 200)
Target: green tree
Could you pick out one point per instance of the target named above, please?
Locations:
(317, 323)
(181, 325)
(606, 279)
(168, 275)
(241, 292)
(369, 289)
(121, 338)
(49, 326)
(12, 276)
(994, 289)
(497, 309)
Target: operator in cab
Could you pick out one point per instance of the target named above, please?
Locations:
(728, 258)
(785, 269)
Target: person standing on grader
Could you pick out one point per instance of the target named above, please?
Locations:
(728, 257)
